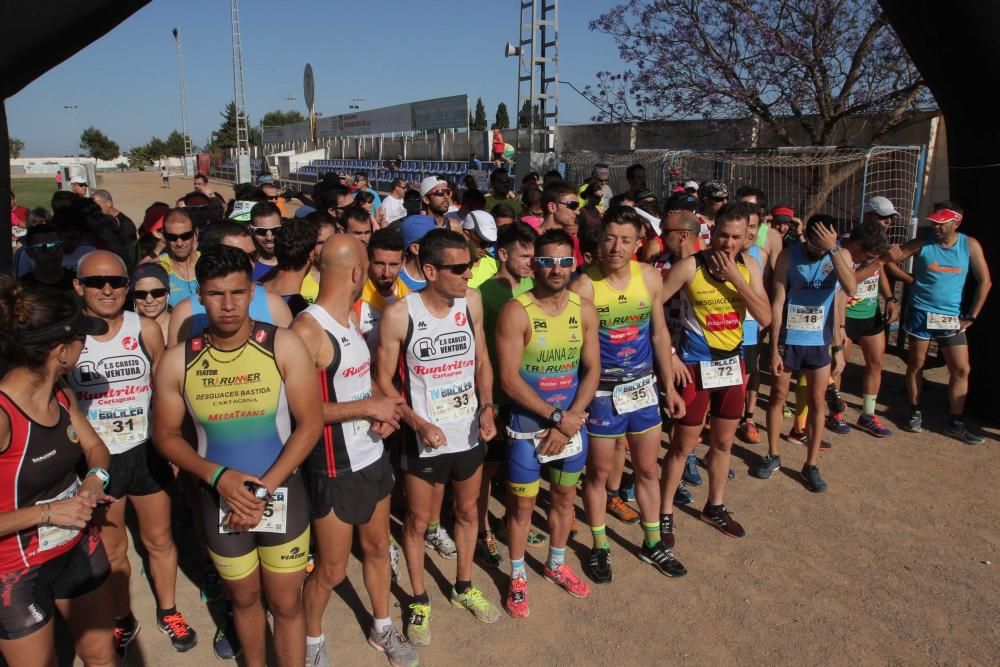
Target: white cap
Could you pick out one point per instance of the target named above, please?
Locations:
(430, 183)
(482, 223)
(653, 220)
(882, 206)
(691, 185)
(78, 180)
(241, 210)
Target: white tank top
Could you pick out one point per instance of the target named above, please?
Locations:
(440, 378)
(352, 445)
(113, 384)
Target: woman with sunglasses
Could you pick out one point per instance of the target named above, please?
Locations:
(366, 200)
(51, 556)
(150, 289)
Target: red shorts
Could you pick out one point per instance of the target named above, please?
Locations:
(726, 402)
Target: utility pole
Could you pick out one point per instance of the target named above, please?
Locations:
(185, 122)
(243, 174)
(537, 84)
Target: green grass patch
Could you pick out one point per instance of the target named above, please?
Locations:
(34, 192)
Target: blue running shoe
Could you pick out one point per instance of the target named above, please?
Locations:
(915, 422)
(226, 644)
(767, 467)
(835, 422)
(683, 496)
(873, 425)
(958, 431)
(627, 490)
(691, 473)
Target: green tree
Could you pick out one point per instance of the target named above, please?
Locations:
(502, 118)
(15, 146)
(274, 118)
(472, 121)
(225, 136)
(98, 144)
(522, 115)
(479, 123)
(174, 145)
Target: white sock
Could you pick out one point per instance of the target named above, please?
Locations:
(314, 641)
(382, 624)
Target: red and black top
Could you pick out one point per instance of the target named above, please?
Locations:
(38, 465)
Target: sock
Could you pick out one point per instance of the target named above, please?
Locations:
(517, 569)
(423, 598)
(382, 624)
(432, 526)
(600, 537)
(462, 587)
(557, 557)
(651, 529)
(747, 416)
(869, 404)
(315, 641)
(160, 613)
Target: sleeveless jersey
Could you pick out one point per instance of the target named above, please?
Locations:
(259, 311)
(439, 374)
(864, 303)
(348, 446)
(113, 385)
(714, 326)
(811, 287)
(370, 307)
(236, 399)
(550, 363)
(676, 309)
(39, 465)
(624, 318)
(940, 275)
(751, 330)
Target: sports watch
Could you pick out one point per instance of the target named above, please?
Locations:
(556, 417)
(101, 474)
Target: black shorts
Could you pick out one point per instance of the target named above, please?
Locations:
(140, 471)
(27, 598)
(858, 328)
(496, 449)
(459, 466)
(751, 359)
(804, 357)
(353, 495)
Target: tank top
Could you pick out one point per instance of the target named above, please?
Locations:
(439, 374)
(236, 399)
(714, 326)
(864, 303)
(370, 307)
(38, 466)
(676, 308)
(550, 363)
(940, 275)
(624, 317)
(348, 446)
(113, 385)
(811, 287)
(751, 330)
(259, 311)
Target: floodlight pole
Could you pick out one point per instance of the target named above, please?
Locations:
(243, 174)
(185, 122)
(537, 84)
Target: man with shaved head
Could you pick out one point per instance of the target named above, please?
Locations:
(348, 474)
(113, 385)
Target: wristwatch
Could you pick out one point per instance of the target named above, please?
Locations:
(556, 417)
(833, 251)
(261, 493)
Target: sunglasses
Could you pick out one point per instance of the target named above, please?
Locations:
(550, 262)
(264, 231)
(50, 245)
(439, 193)
(143, 294)
(185, 236)
(571, 205)
(274, 198)
(98, 282)
(457, 269)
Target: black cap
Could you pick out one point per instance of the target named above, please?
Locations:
(682, 201)
(76, 324)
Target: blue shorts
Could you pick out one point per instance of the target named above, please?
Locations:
(524, 470)
(915, 324)
(804, 357)
(604, 422)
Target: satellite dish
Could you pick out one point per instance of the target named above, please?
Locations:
(308, 87)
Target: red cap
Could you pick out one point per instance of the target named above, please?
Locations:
(155, 215)
(782, 211)
(945, 215)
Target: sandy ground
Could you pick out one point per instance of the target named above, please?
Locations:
(897, 564)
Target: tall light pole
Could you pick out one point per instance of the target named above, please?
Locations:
(537, 50)
(185, 123)
(243, 174)
(72, 116)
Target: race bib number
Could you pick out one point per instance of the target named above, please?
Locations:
(635, 395)
(452, 403)
(122, 430)
(572, 448)
(359, 426)
(939, 322)
(721, 373)
(49, 536)
(868, 289)
(806, 318)
(273, 520)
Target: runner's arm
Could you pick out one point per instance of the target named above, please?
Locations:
(391, 332)
(680, 274)
(180, 322)
(590, 359)
(981, 270)
(152, 340)
(754, 295)
(659, 338)
(280, 312)
(774, 247)
(95, 452)
(845, 274)
(512, 325)
(583, 286)
(778, 287)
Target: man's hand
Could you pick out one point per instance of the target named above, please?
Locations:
(430, 435)
(382, 429)
(675, 404)
(572, 422)
(487, 426)
(722, 265)
(839, 363)
(777, 364)
(891, 312)
(93, 488)
(823, 237)
(894, 254)
(964, 324)
(386, 409)
(680, 372)
(231, 486)
(553, 442)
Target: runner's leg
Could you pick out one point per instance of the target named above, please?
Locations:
(38, 648)
(112, 524)
(914, 369)
(721, 441)
(153, 511)
(248, 616)
(595, 498)
(420, 499)
(375, 568)
(817, 381)
(645, 450)
(775, 407)
(466, 494)
(957, 358)
(332, 539)
(284, 601)
(91, 624)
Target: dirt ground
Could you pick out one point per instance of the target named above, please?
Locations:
(897, 564)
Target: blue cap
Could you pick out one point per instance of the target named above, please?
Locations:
(416, 227)
(303, 211)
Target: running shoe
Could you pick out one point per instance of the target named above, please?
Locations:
(536, 538)
(718, 517)
(211, 585)
(683, 496)
(915, 422)
(786, 411)
(182, 636)
(564, 577)
(834, 401)
(691, 473)
(126, 630)
(835, 422)
(487, 553)
(748, 432)
(316, 655)
(958, 431)
(814, 481)
(226, 645)
(667, 536)
(663, 559)
(872, 424)
(418, 628)
(619, 510)
(473, 599)
(517, 598)
(394, 554)
(599, 566)
(442, 543)
(627, 491)
(795, 435)
(392, 642)
(767, 467)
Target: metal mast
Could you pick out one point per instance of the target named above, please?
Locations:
(538, 84)
(185, 122)
(240, 100)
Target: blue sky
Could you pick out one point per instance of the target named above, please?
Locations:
(126, 83)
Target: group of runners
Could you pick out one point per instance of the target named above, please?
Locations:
(289, 434)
